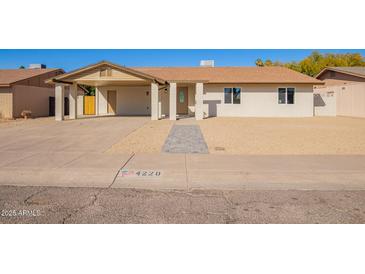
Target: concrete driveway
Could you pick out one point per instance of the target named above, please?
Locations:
(71, 153)
(82, 135)
(44, 152)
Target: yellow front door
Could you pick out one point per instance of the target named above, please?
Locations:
(89, 105)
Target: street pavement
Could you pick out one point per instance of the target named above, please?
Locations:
(108, 205)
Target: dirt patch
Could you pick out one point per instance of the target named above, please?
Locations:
(147, 139)
(21, 121)
(278, 136)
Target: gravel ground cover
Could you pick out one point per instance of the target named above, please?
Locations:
(278, 136)
(149, 138)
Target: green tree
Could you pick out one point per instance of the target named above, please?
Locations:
(21, 67)
(259, 63)
(316, 61)
(89, 90)
(268, 63)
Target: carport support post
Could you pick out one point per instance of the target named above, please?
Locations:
(97, 95)
(73, 101)
(199, 101)
(159, 105)
(60, 102)
(154, 101)
(172, 101)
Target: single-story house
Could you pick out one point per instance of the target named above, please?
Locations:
(189, 91)
(334, 76)
(25, 89)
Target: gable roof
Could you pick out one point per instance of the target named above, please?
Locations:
(261, 75)
(11, 76)
(102, 64)
(355, 71)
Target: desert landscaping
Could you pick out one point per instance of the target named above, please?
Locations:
(279, 136)
(149, 138)
(258, 136)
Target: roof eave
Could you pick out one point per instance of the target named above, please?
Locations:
(270, 82)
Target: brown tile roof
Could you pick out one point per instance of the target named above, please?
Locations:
(230, 74)
(10, 76)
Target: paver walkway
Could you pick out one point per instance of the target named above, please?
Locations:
(185, 139)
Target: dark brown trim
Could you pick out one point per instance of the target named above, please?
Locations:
(62, 82)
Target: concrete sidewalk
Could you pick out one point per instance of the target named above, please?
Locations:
(182, 171)
(231, 172)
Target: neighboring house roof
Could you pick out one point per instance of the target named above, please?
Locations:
(11, 76)
(260, 75)
(355, 71)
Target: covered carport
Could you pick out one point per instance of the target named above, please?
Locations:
(118, 91)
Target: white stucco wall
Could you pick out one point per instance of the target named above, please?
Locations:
(103, 104)
(80, 105)
(133, 101)
(130, 100)
(258, 101)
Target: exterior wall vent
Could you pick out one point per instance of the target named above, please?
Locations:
(207, 63)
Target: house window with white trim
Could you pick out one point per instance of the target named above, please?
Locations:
(286, 95)
(232, 95)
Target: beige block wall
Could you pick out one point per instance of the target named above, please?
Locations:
(351, 100)
(35, 99)
(258, 101)
(324, 101)
(6, 103)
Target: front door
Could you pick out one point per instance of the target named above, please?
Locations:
(182, 101)
(112, 101)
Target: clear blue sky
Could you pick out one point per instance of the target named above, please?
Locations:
(71, 59)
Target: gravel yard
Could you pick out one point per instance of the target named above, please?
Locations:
(149, 138)
(295, 136)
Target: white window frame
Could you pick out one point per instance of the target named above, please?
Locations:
(286, 95)
(232, 87)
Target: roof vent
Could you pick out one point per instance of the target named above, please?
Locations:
(207, 63)
(37, 66)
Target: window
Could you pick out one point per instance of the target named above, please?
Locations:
(282, 96)
(236, 96)
(232, 95)
(286, 95)
(181, 96)
(227, 95)
(290, 95)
